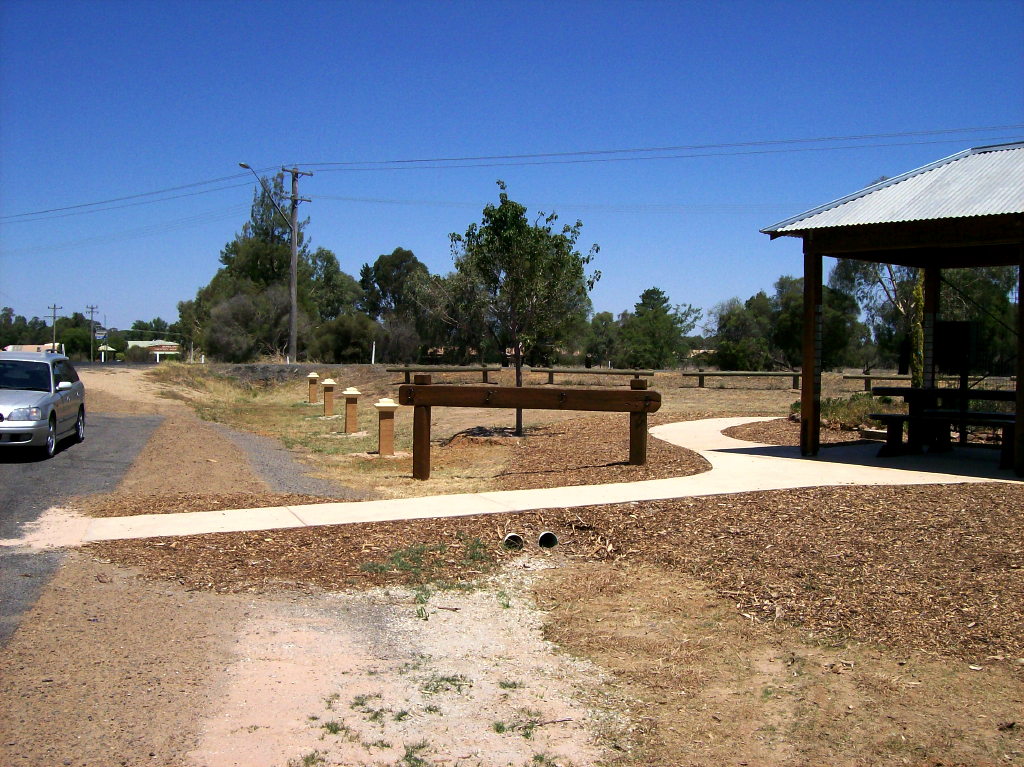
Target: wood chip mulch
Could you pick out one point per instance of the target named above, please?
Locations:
(933, 568)
(591, 451)
(784, 431)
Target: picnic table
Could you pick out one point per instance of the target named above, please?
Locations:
(933, 411)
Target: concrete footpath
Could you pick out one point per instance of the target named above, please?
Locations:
(737, 467)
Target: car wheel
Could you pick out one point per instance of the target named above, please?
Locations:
(80, 426)
(51, 438)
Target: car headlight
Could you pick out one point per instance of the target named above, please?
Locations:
(26, 414)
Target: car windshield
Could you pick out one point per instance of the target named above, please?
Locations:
(20, 374)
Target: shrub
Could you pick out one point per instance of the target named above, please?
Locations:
(851, 414)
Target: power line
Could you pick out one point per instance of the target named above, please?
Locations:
(615, 208)
(114, 207)
(593, 155)
(587, 160)
(140, 194)
(682, 147)
(559, 158)
(188, 222)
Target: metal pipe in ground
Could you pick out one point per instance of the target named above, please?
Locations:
(547, 540)
(513, 542)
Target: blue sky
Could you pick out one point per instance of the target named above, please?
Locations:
(103, 100)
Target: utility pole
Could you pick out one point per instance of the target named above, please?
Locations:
(53, 309)
(293, 286)
(293, 225)
(92, 329)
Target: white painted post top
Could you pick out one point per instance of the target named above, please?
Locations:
(352, 392)
(312, 375)
(386, 403)
(329, 382)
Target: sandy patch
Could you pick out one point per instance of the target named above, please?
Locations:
(376, 676)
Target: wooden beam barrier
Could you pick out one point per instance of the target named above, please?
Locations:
(408, 370)
(700, 375)
(422, 395)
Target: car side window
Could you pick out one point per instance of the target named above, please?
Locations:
(72, 374)
(60, 373)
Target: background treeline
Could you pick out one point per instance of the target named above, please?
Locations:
(519, 293)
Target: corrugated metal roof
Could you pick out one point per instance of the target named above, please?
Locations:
(983, 181)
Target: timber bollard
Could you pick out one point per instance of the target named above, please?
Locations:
(638, 429)
(314, 386)
(386, 408)
(351, 395)
(421, 433)
(328, 385)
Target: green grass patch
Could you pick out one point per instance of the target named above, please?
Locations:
(412, 758)
(312, 759)
(438, 683)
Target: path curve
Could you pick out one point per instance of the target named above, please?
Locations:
(737, 467)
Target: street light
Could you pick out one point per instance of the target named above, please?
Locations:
(293, 280)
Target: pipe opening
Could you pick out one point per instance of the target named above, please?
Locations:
(513, 542)
(547, 540)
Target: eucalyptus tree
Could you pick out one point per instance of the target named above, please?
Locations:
(524, 281)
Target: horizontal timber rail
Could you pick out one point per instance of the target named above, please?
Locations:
(867, 378)
(422, 395)
(484, 370)
(700, 375)
(552, 372)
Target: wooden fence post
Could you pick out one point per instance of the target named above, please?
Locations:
(638, 430)
(314, 386)
(421, 434)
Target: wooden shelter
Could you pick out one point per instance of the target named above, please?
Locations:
(963, 211)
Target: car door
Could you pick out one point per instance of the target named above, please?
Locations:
(64, 404)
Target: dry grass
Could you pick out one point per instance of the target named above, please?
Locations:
(279, 409)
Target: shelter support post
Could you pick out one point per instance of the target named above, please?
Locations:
(1018, 432)
(810, 392)
(932, 281)
(421, 435)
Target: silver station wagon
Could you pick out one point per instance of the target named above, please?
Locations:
(41, 401)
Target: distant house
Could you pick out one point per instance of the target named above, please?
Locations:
(159, 347)
(57, 348)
